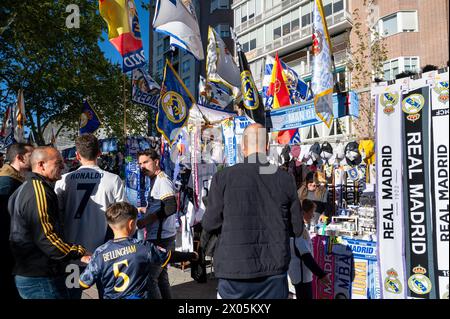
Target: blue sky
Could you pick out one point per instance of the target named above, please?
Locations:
(111, 53)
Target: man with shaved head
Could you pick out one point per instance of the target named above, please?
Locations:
(254, 208)
(40, 254)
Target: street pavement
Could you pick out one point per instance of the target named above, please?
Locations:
(183, 286)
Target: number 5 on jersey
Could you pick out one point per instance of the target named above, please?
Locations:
(124, 276)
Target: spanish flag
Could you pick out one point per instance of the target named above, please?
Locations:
(124, 31)
(278, 89)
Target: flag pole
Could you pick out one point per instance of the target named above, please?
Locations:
(124, 106)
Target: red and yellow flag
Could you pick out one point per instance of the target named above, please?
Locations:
(278, 88)
(124, 31)
(280, 92)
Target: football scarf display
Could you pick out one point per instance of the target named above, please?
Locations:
(417, 218)
(439, 175)
(390, 224)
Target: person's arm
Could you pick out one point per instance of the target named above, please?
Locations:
(120, 192)
(213, 217)
(312, 265)
(302, 250)
(161, 256)
(295, 209)
(91, 273)
(43, 231)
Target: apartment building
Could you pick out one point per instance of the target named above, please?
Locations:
(415, 33)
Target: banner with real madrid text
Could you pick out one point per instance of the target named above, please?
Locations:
(418, 228)
(390, 224)
(439, 175)
(174, 105)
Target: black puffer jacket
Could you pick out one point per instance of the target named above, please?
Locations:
(254, 214)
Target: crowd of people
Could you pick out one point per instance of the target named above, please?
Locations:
(82, 218)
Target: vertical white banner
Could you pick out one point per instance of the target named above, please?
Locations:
(439, 167)
(391, 250)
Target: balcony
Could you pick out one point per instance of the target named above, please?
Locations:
(337, 23)
(266, 14)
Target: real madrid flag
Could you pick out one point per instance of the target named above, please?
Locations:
(253, 103)
(174, 105)
(89, 121)
(178, 20)
(124, 31)
(322, 79)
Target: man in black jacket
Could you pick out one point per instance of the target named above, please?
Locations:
(39, 252)
(12, 175)
(254, 207)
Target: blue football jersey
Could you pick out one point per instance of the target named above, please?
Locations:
(122, 267)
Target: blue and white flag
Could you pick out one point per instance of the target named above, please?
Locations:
(297, 88)
(174, 106)
(89, 121)
(322, 79)
(145, 89)
(173, 18)
(213, 95)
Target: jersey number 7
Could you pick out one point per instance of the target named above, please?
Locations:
(88, 188)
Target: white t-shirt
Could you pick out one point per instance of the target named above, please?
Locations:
(83, 196)
(298, 272)
(162, 188)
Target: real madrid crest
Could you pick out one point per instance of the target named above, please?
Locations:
(250, 92)
(441, 88)
(412, 105)
(388, 100)
(418, 282)
(174, 107)
(317, 42)
(392, 284)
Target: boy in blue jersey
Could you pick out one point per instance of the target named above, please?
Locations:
(121, 266)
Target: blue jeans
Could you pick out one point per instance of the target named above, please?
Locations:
(158, 281)
(42, 287)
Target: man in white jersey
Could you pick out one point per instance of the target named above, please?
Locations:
(159, 219)
(84, 195)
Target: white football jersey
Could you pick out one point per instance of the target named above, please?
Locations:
(162, 188)
(84, 195)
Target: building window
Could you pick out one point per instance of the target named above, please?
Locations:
(338, 6)
(251, 9)
(327, 7)
(389, 25)
(237, 17)
(277, 29)
(411, 64)
(287, 24)
(402, 64)
(220, 4)
(295, 20)
(403, 21)
(223, 30)
(244, 12)
(409, 21)
(306, 14)
(390, 70)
